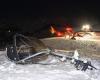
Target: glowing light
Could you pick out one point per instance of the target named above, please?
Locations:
(59, 34)
(69, 30)
(9, 30)
(67, 37)
(67, 33)
(86, 28)
(52, 30)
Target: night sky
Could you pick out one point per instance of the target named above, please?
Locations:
(35, 16)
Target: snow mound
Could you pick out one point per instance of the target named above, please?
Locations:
(56, 71)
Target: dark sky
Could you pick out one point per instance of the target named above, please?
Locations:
(50, 8)
(33, 15)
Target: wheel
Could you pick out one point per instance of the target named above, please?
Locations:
(11, 53)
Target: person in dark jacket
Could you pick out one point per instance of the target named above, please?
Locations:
(83, 65)
(86, 66)
(78, 64)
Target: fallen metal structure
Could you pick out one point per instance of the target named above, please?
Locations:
(30, 50)
(23, 47)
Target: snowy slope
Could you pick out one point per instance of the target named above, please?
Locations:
(87, 48)
(56, 71)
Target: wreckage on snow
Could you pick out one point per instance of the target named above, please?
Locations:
(23, 47)
(25, 50)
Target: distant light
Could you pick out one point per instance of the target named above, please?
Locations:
(69, 29)
(52, 30)
(9, 30)
(86, 27)
(59, 34)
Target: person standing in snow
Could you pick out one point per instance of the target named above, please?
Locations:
(75, 56)
(75, 60)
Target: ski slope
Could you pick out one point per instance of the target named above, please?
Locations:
(55, 71)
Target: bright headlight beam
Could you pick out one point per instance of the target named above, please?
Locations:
(86, 27)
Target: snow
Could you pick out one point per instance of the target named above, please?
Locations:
(56, 71)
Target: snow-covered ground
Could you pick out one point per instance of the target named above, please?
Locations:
(55, 71)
